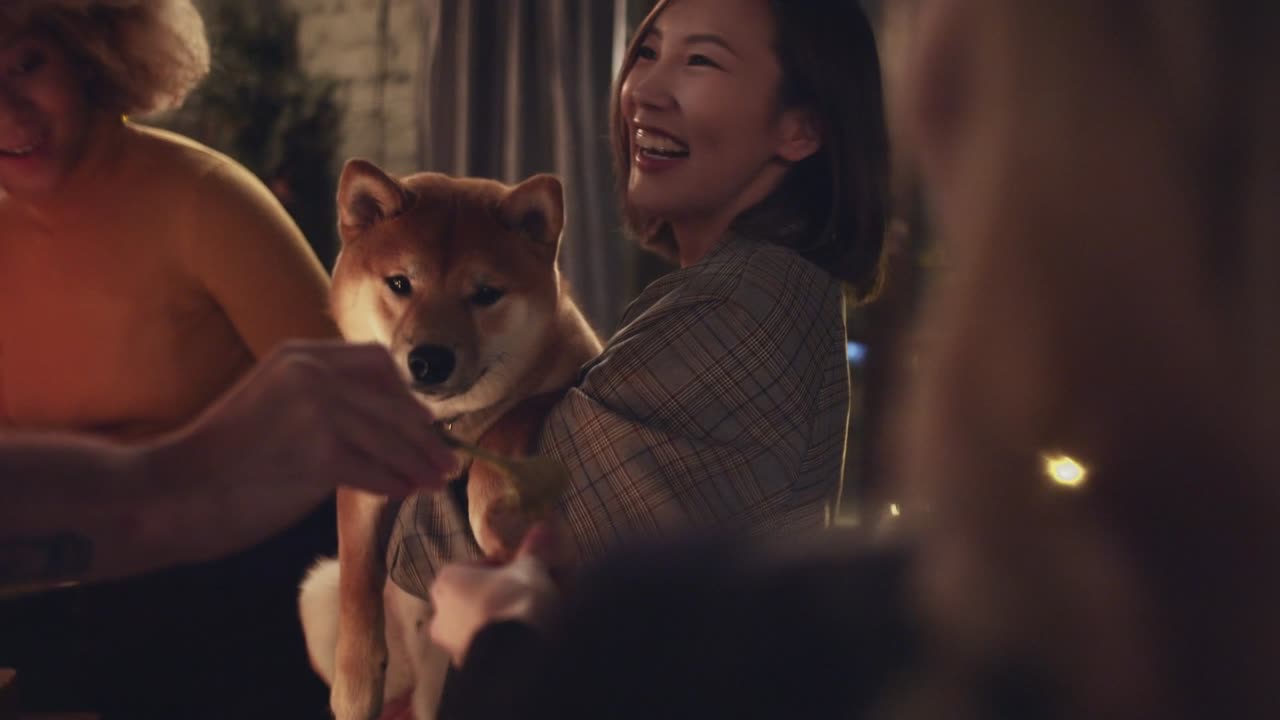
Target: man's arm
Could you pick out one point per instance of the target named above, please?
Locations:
(310, 416)
(72, 509)
(75, 509)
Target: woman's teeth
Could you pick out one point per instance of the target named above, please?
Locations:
(658, 145)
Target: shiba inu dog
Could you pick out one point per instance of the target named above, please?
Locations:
(457, 277)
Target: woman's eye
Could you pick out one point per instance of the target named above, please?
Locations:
(702, 61)
(484, 296)
(400, 285)
(646, 53)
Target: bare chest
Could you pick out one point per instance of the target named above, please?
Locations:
(104, 329)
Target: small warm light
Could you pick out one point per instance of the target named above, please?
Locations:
(893, 509)
(1064, 470)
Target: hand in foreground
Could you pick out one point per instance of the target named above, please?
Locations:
(309, 417)
(469, 596)
(322, 413)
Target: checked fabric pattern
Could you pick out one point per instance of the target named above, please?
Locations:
(721, 403)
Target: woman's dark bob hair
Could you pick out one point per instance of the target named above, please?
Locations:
(831, 207)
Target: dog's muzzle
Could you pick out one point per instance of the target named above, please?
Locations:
(431, 365)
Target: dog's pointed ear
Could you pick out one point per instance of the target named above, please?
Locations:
(367, 195)
(535, 207)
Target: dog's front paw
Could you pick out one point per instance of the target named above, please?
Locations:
(498, 526)
(357, 691)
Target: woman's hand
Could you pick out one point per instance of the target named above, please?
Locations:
(469, 596)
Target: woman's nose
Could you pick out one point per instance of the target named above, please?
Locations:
(649, 87)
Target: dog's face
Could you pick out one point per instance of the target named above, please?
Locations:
(456, 277)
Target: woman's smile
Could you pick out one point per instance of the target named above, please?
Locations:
(657, 150)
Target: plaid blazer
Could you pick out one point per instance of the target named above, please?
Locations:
(721, 403)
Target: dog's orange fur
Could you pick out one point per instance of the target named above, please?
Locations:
(514, 358)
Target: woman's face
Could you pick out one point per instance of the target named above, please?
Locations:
(700, 104)
(44, 114)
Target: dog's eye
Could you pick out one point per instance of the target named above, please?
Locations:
(485, 296)
(399, 285)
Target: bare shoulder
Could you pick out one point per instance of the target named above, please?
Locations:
(213, 183)
(165, 152)
(224, 216)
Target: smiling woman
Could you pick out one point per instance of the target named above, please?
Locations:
(751, 148)
(697, 143)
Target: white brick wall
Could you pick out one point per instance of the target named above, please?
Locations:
(339, 39)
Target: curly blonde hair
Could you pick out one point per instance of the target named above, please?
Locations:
(141, 56)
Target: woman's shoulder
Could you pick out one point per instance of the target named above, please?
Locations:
(770, 273)
(745, 301)
(742, 275)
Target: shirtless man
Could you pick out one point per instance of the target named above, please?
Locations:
(140, 273)
(141, 276)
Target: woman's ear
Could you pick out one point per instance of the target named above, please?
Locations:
(801, 134)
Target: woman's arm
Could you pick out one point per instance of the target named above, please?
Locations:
(312, 415)
(702, 420)
(723, 405)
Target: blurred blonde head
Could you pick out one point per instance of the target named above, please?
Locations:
(1104, 174)
(139, 56)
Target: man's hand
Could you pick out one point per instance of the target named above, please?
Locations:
(309, 417)
(322, 413)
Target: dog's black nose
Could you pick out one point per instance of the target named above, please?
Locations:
(431, 364)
